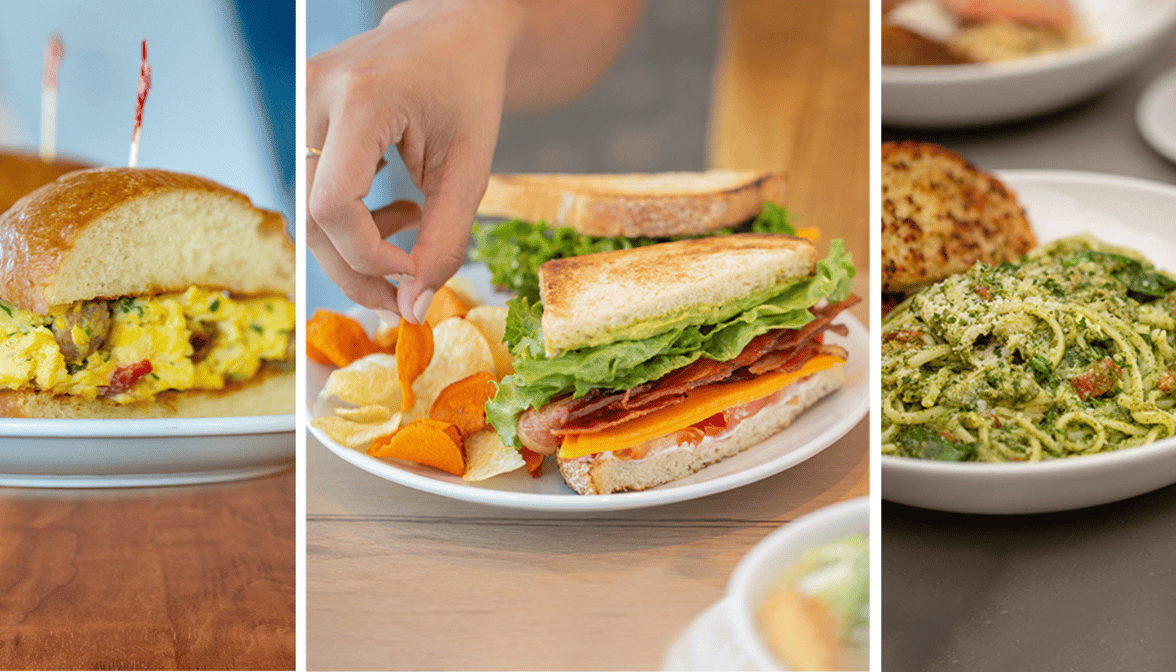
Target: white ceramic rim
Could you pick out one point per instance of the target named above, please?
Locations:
(1161, 90)
(740, 597)
(1077, 56)
(145, 427)
(571, 501)
(1068, 467)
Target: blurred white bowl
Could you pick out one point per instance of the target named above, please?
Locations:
(726, 637)
(1124, 32)
(768, 560)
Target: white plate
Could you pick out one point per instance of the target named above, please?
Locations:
(1124, 32)
(724, 637)
(120, 453)
(809, 434)
(1156, 114)
(1124, 211)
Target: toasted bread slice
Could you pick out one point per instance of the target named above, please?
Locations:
(604, 473)
(940, 215)
(602, 297)
(110, 232)
(653, 205)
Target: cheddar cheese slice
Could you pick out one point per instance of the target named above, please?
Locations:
(698, 405)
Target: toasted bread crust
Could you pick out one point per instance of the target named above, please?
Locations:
(22, 173)
(654, 205)
(62, 242)
(940, 215)
(271, 393)
(588, 299)
(602, 473)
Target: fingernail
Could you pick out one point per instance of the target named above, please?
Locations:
(400, 278)
(421, 307)
(388, 317)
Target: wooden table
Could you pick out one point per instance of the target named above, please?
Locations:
(401, 579)
(176, 578)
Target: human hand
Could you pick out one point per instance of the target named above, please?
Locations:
(429, 79)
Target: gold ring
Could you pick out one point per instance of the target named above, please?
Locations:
(313, 152)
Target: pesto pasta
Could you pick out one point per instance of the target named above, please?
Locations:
(1070, 351)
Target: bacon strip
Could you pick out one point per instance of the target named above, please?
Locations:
(782, 349)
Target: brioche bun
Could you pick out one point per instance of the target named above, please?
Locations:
(111, 232)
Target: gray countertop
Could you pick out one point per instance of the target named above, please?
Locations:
(1092, 589)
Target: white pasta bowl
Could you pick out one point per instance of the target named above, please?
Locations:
(1124, 32)
(1133, 213)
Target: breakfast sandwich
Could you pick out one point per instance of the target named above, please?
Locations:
(639, 367)
(144, 293)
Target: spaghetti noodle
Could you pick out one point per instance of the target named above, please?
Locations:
(1070, 351)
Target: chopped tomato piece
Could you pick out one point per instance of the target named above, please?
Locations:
(1097, 380)
(125, 377)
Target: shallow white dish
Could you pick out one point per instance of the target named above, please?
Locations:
(121, 453)
(1155, 114)
(1124, 211)
(809, 434)
(725, 637)
(1124, 32)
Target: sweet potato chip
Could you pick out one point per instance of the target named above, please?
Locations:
(446, 304)
(491, 321)
(414, 353)
(355, 434)
(460, 350)
(338, 338)
(363, 414)
(371, 381)
(316, 355)
(486, 456)
(534, 461)
(463, 403)
(430, 442)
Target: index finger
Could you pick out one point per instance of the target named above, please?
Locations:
(342, 177)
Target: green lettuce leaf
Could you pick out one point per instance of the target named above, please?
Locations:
(626, 364)
(514, 250)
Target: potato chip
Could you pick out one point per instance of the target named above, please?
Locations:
(355, 434)
(491, 321)
(370, 381)
(464, 288)
(459, 350)
(386, 337)
(486, 456)
(374, 413)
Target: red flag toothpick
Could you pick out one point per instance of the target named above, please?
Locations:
(144, 89)
(54, 52)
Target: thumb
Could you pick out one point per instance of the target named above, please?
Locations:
(440, 250)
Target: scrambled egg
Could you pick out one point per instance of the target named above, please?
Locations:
(241, 334)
